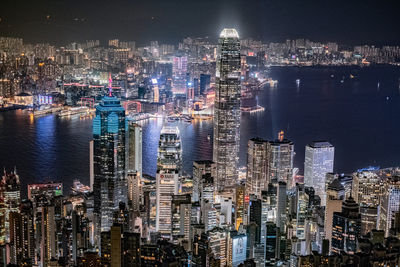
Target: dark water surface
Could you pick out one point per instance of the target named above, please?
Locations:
(360, 118)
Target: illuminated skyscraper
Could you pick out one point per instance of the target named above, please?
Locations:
(179, 70)
(318, 162)
(10, 192)
(280, 161)
(227, 109)
(256, 179)
(169, 166)
(109, 159)
(134, 149)
(346, 227)
(201, 168)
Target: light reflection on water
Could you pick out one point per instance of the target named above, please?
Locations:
(360, 121)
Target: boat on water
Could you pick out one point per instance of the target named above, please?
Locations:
(75, 111)
(297, 82)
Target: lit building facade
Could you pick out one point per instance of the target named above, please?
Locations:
(109, 186)
(179, 70)
(227, 109)
(319, 157)
(169, 167)
(280, 161)
(256, 178)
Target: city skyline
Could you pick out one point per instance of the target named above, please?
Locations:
(190, 153)
(268, 21)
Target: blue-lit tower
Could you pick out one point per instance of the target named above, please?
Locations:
(109, 187)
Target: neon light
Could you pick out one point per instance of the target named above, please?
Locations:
(110, 85)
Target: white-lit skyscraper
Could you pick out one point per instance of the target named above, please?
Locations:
(134, 148)
(227, 109)
(179, 70)
(169, 166)
(318, 162)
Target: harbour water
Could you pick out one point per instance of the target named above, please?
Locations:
(360, 118)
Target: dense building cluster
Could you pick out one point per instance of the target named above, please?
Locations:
(267, 215)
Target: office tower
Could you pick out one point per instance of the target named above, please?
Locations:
(346, 227)
(227, 109)
(389, 204)
(111, 247)
(281, 206)
(109, 186)
(134, 191)
(179, 70)
(217, 243)
(256, 178)
(334, 198)
(239, 205)
(169, 167)
(272, 244)
(368, 190)
(205, 80)
(236, 248)
(190, 92)
(181, 215)
(302, 210)
(345, 180)
(15, 237)
(28, 232)
(280, 161)
(201, 168)
(45, 231)
(131, 249)
(200, 250)
(196, 86)
(207, 208)
(225, 214)
(91, 164)
(10, 192)
(134, 147)
(318, 162)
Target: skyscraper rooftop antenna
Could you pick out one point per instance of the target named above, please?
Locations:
(109, 85)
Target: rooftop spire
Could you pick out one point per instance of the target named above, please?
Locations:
(109, 85)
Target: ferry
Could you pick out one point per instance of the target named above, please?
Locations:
(75, 110)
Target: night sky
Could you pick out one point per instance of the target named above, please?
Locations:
(61, 21)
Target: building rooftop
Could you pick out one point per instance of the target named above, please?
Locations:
(318, 144)
(229, 33)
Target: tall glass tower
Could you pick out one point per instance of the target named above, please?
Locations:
(169, 167)
(109, 186)
(319, 157)
(227, 109)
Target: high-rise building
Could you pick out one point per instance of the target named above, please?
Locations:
(134, 148)
(109, 185)
(346, 228)
(389, 204)
(169, 167)
(10, 193)
(227, 109)
(200, 168)
(319, 157)
(179, 70)
(256, 178)
(280, 161)
(181, 215)
(334, 198)
(205, 80)
(368, 190)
